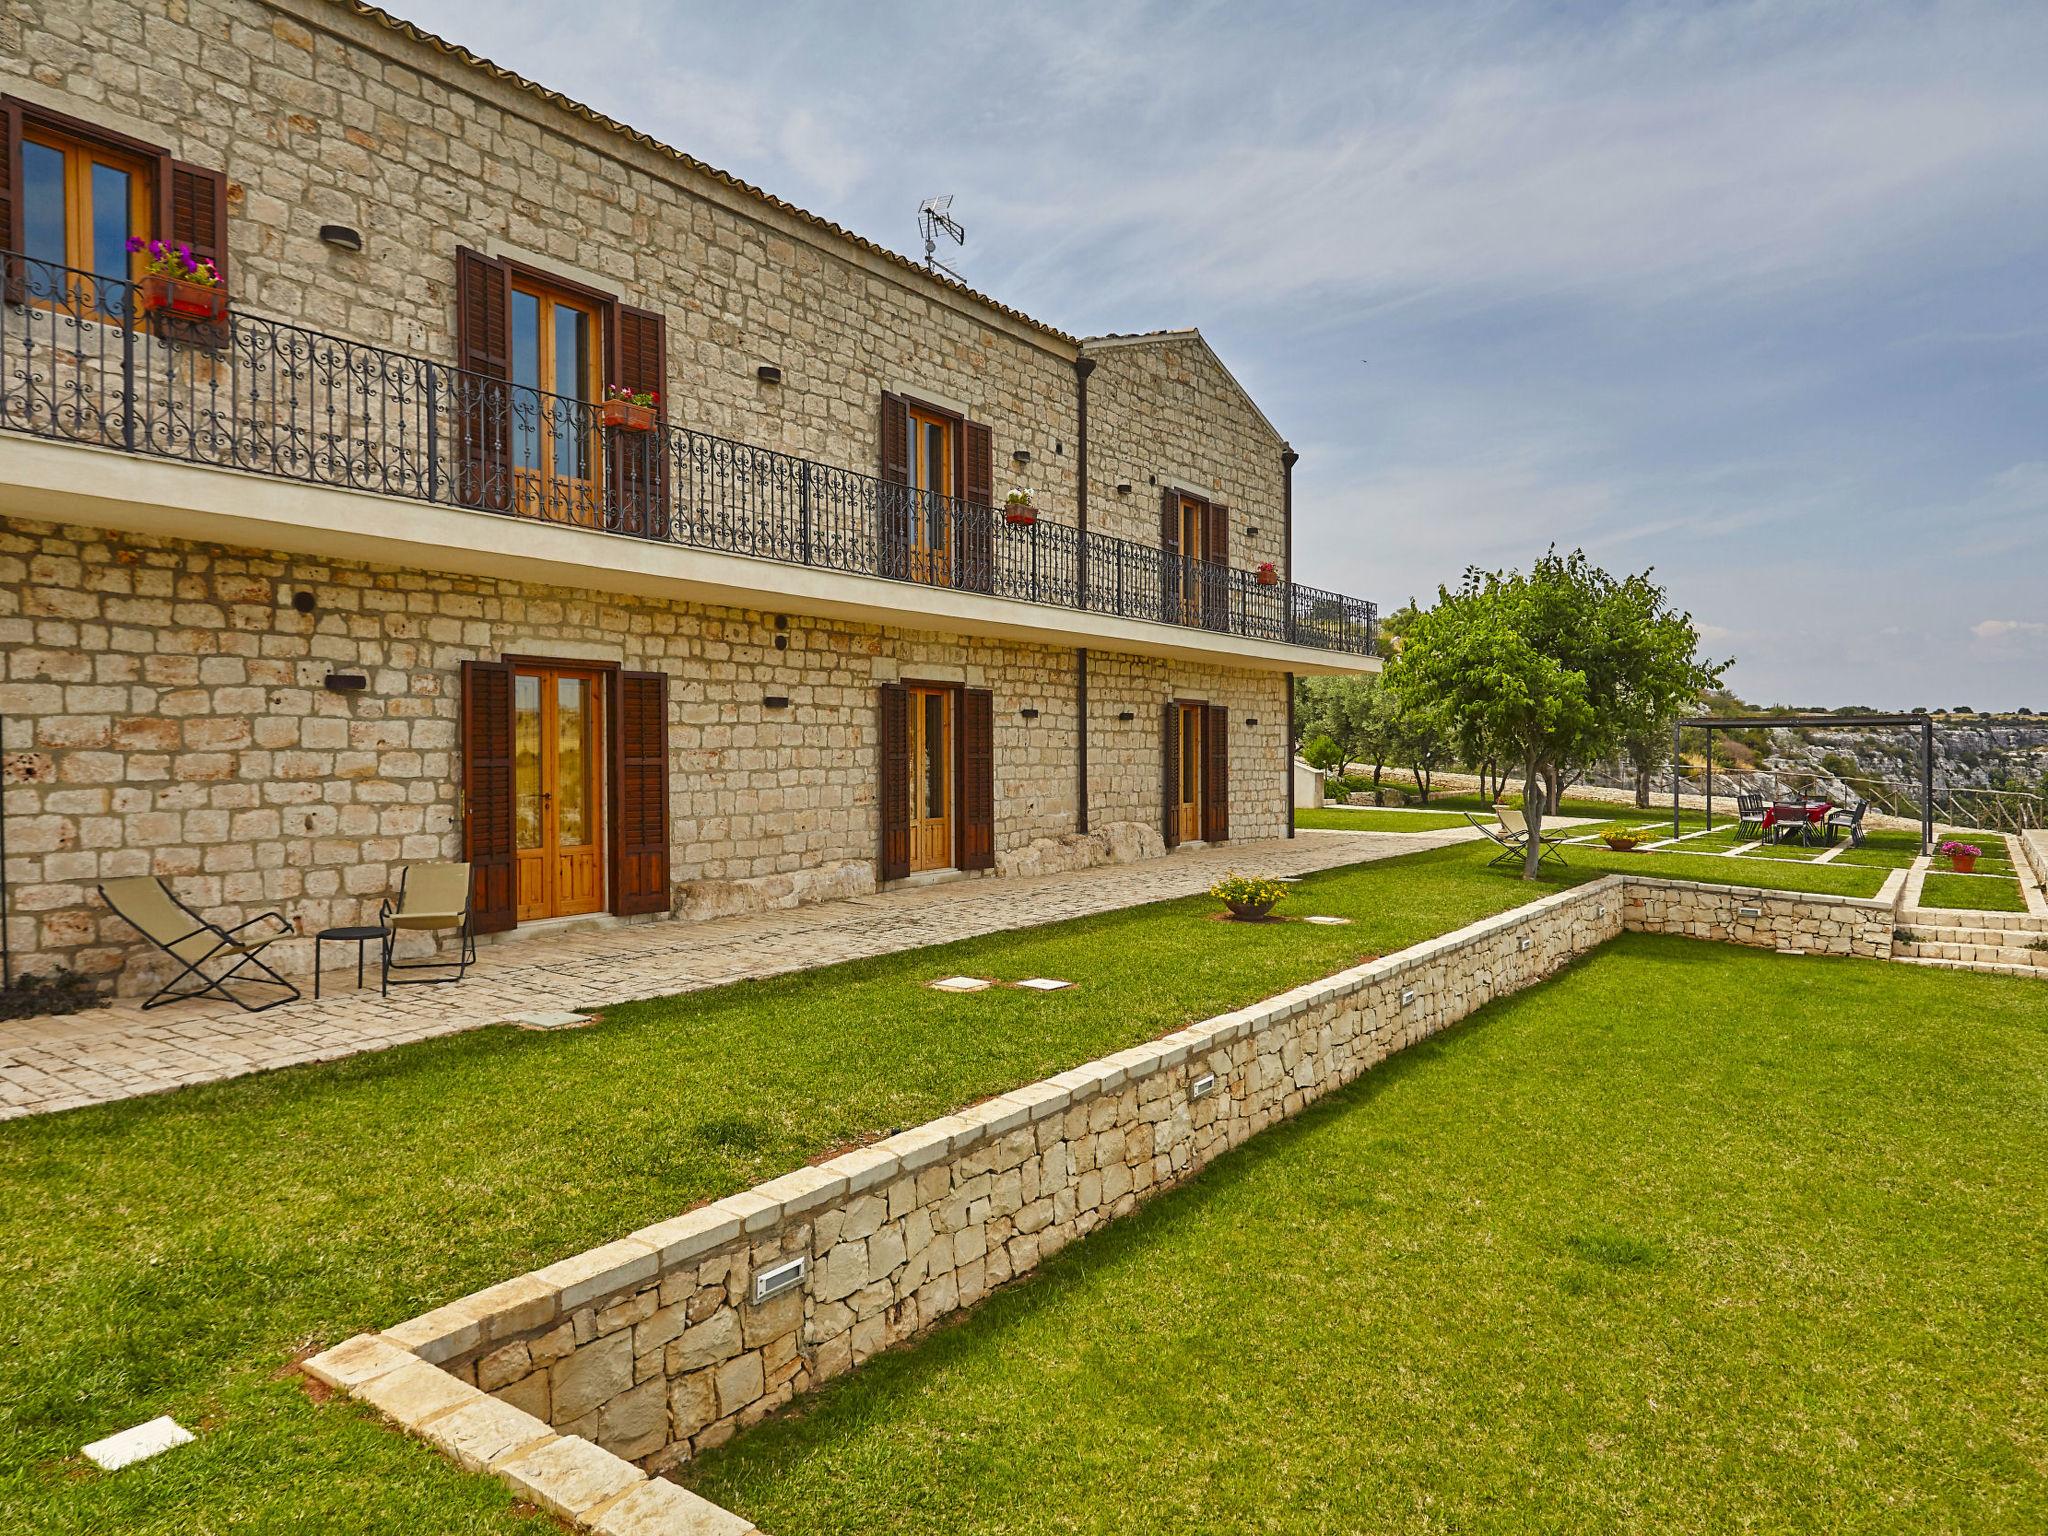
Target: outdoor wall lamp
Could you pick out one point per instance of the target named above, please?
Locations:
(1127, 715)
(1123, 487)
(1253, 720)
(768, 373)
(1021, 457)
(341, 237)
(1251, 530)
(775, 701)
(1028, 714)
(346, 682)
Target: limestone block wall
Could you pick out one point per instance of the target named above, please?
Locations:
(1811, 924)
(2034, 849)
(653, 1347)
(165, 714)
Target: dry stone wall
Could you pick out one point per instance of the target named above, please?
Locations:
(165, 714)
(1809, 924)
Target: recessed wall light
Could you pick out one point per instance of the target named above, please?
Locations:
(1123, 487)
(341, 237)
(303, 601)
(1202, 1086)
(1021, 457)
(777, 1278)
(346, 682)
(775, 701)
(768, 373)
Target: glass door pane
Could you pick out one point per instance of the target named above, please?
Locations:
(526, 435)
(112, 192)
(526, 763)
(571, 380)
(572, 759)
(44, 209)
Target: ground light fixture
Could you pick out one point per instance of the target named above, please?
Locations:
(1202, 1086)
(777, 1278)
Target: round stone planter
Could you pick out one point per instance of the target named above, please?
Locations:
(1250, 911)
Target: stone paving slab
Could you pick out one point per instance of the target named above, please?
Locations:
(120, 1052)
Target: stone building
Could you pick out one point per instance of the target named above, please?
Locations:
(353, 560)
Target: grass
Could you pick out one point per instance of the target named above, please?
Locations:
(1973, 893)
(1329, 819)
(171, 1254)
(1600, 1260)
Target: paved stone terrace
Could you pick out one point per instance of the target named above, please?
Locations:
(121, 1052)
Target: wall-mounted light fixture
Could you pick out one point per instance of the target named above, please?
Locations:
(1028, 714)
(1526, 943)
(782, 642)
(1407, 995)
(1251, 530)
(1252, 720)
(775, 701)
(768, 373)
(1202, 1086)
(1021, 457)
(1128, 715)
(1123, 487)
(341, 237)
(777, 1278)
(1749, 911)
(346, 682)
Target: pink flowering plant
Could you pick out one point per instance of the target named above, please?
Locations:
(626, 396)
(175, 261)
(1955, 850)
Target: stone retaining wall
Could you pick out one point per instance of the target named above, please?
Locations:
(2034, 849)
(574, 1382)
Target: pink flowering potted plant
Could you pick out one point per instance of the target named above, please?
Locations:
(1269, 574)
(1962, 857)
(1017, 509)
(175, 282)
(629, 410)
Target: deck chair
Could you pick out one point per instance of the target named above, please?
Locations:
(1510, 847)
(214, 959)
(432, 898)
(1516, 826)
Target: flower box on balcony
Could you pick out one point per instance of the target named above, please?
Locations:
(1269, 575)
(626, 416)
(1020, 517)
(182, 298)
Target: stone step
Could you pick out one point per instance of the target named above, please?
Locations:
(1974, 965)
(2011, 925)
(1973, 952)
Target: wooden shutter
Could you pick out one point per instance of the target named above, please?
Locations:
(977, 779)
(11, 216)
(482, 407)
(974, 560)
(198, 204)
(895, 781)
(1216, 788)
(892, 497)
(639, 460)
(1216, 578)
(640, 831)
(1169, 555)
(1170, 775)
(487, 794)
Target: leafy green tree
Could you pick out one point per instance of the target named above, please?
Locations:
(1322, 752)
(1355, 713)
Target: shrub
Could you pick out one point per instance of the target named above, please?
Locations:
(1321, 752)
(63, 991)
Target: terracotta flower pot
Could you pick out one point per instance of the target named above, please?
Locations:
(1020, 516)
(1268, 576)
(1962, 863)
(625, 416)
(162, 295)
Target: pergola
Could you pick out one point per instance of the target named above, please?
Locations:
(1710, 724)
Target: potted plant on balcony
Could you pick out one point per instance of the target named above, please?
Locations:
(628, 410)
(1962, 857)
(1249, 898)
(1269, 574)
(1017, 509)
(175, 282)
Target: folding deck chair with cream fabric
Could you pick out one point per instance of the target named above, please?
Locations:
(209, 955)
(1516, 826)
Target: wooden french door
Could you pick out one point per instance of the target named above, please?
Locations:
(555, 350)
(931, 778)
(1194, 541)
(558, 791)
(932, 481)
(1193, 755)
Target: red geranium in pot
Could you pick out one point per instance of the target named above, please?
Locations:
(629, 410)
(1269, 574)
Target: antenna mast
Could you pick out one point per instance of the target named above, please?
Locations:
(935, 218)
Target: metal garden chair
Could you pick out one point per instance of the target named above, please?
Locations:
(1516, 826)
(214, 958)
(432, 898)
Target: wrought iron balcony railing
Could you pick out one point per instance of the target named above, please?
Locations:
(81, 361)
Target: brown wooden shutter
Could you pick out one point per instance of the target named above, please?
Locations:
(11, 215)
(974, 562)
(895, 781)
(639, 460)
(892, 499)
(487, 794)
(977, 779)
(483, 404)
(1216, 579)
(1216, 790)
(1170, 775)
(640, 829)
(1169, 551)
(198, 206)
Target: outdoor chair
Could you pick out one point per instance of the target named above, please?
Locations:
(433, 899)
(1789, 821)
(1749, 814)
(216, 960)
(1516, 826)
(1842, 819)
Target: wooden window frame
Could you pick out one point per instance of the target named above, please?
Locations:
(956, 767)
(80, 154)
(532, 487)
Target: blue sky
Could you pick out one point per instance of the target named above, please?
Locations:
(1756, 293)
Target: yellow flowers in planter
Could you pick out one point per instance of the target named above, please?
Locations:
(1248, 896)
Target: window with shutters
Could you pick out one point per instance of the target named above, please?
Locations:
(555, 346)
(932, 451)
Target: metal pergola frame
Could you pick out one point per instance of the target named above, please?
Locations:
(1711, 723)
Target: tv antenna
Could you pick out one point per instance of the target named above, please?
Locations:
(935, 218)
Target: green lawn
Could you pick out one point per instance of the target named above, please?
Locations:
(1601, 1260)
(1331, 819)
(1973, 893)
(170, 1254)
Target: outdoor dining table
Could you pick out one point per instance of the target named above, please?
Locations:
(1816, 812)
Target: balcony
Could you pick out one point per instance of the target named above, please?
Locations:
(80, 362)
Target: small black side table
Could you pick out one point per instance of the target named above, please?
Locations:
(361, 938)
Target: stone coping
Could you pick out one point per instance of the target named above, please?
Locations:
(397, 1372)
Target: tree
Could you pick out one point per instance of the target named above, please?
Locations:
(1321, 751)
(1550, 670)
(1355, 713)
(1421, 739)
